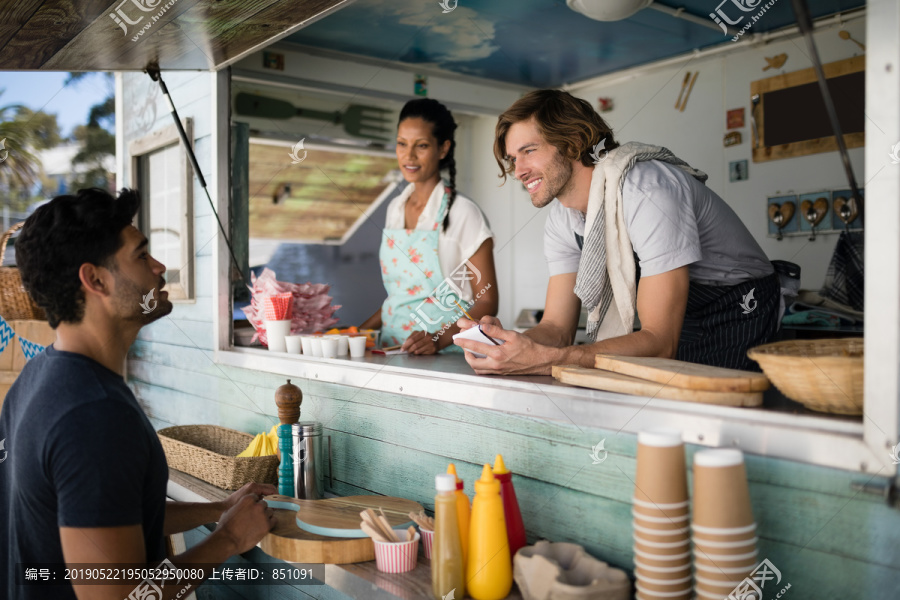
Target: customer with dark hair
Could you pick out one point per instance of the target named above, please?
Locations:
(621, 213)
(84, 480)
(437, 247)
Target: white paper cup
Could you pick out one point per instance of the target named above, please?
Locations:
(316, 345)
(357, 346)
(306, 342)
(275, 333)
(293, 343)
(343, 345)
(329, 347)
(397, 557)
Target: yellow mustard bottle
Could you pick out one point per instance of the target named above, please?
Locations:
(489, 568)
(448, 573)
(462, 512)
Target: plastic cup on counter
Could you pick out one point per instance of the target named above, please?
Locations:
(293, 343)
(275, 334)
(357, 345)
(306, 342)
(343, 345)
(396, 557)
(328, 345)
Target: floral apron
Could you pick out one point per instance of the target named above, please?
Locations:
(419, 298)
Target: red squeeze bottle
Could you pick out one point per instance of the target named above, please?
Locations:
(515, 527)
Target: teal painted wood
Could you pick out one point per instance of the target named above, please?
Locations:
(831, 541)
(286, 466)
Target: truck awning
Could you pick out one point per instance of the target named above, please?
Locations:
(127, 35)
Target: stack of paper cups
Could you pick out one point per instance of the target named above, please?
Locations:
(724, 532)
(662, 556)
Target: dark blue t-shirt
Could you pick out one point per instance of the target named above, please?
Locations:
(80, 453)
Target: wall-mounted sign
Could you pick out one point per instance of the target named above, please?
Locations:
(735, 118)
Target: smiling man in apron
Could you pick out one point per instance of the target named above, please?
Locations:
(619, 214)
(437, 247)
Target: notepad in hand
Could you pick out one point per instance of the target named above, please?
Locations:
(475, 333)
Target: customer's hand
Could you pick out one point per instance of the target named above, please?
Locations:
(260, 489)
(420, 342)
(246, 523)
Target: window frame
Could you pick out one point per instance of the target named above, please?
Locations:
(183, 290)
(817, 440)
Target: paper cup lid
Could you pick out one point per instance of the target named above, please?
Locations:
(663, 437)
(719, 457)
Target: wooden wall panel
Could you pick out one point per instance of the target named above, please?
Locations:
(393, 445)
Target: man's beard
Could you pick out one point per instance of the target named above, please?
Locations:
(556, 181)
(131, 302)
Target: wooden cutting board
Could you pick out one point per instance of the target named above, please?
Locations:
(625, 384)
(682, 374)
(300, 525)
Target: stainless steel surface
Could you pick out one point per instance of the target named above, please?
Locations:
(814, 439)
(309, 473)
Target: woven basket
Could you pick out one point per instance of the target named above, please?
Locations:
(209, 452)
(15, 303)
(824, 375)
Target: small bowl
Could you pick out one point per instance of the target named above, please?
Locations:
(397, 557)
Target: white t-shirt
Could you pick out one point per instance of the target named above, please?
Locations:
(673, 220)
(467, 230)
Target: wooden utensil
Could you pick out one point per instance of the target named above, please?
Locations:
(624, 384)
(845, 35)
(372, 532)
(688, 94)
(376, 522)
(339, 517)
(682, 374)
(687, 78)
(410, 533)
(423, 521)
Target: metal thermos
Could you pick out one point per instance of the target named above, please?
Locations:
(309, 464)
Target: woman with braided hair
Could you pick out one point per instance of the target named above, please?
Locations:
(437, 248)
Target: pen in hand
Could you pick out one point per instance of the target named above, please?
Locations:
(471, 318)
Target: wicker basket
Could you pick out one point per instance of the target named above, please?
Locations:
(15, 303)
(209, 452)
(824, 375)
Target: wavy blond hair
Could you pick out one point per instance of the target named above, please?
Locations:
(568, 123)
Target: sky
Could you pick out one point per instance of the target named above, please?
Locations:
(46, 90)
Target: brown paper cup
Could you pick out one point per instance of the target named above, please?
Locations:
(661, 548)
(665, 586)
(721, 573)
(725, 560)
(660, 520)
(661, 560)
(661, 535)
(725, 548)
(677, 572)
(721, 495)
(686, 594)
(661, 475)
(719, 534)
(643, 594)
(720, 589)
(707, 594)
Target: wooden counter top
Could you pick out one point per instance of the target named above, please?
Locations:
(359, 580)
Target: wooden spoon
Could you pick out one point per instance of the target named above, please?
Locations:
(372, 532)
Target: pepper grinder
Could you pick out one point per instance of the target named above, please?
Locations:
(288, 398)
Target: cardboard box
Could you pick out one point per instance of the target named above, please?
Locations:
(12, 359)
